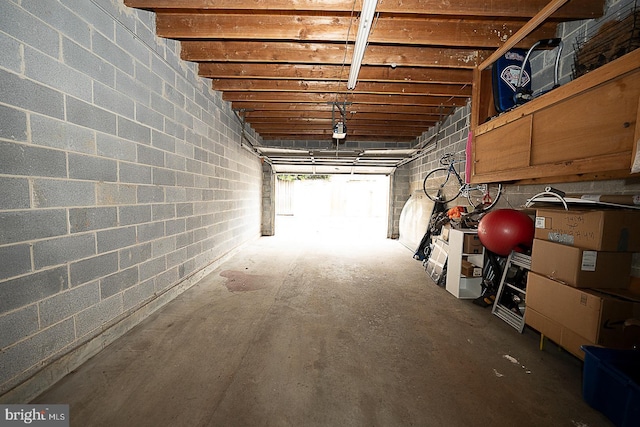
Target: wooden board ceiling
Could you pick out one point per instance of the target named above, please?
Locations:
(284, 63)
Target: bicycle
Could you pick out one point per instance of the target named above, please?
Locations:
(444, 184)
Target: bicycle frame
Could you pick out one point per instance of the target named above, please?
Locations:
(453, 169)
(443, 191)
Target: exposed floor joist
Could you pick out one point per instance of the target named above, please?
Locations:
(283, 64)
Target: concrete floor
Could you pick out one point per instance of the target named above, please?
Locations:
(296, 331)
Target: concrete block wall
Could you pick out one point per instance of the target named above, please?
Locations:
(542, 63)
(121, 176)
(448, 137)
(399, 193)
(268, 200)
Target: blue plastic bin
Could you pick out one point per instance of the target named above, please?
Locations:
(610, 383)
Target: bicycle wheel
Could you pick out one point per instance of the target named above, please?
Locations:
(484, 196)
(441, 186)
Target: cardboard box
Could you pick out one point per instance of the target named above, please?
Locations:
(444, 233)
(598, 230)
(581, 268)
(472, 244)
(470, 270)
(573, 317)
(556, 332)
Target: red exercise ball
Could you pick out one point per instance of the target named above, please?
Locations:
(505, 230)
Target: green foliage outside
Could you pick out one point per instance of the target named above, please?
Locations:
(283, 177)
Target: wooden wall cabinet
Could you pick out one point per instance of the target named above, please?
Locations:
(584, 130)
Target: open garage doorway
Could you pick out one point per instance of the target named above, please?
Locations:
(332, 207)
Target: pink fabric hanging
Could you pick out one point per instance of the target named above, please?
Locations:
(467, 163)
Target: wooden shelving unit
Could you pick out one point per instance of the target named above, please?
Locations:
(584, 130)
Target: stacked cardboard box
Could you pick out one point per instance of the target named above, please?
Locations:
(578, 290)
(472, 244)
(469, 269)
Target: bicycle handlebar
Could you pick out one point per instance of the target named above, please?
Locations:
(448, 159)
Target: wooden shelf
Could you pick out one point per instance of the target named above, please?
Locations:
(584, 130)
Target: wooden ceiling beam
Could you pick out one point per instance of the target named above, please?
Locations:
(283, 63)
(400, 128)
(371, 130)
(326, 135)
(329, 53)
(576, 9)
(341, 87)
(328, 122)
(257, 107)
(326, 138)
(304, 97)
(329, 131)
(311, 116)
(334, 72)
(265, 51)
(398, 30)
(243, 27)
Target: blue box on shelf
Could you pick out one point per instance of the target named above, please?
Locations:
(610, 383)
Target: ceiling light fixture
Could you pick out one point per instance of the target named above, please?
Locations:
(364, 28)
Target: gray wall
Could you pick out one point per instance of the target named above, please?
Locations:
(454, 130)
(572, 33)
(121, 175)
(268, 200)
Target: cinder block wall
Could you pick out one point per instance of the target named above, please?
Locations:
(453, 132)
(268, 200)
(449, 136)
(398, 195)
(121, 176)
(542, 64)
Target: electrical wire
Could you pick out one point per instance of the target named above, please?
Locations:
(346, 50)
